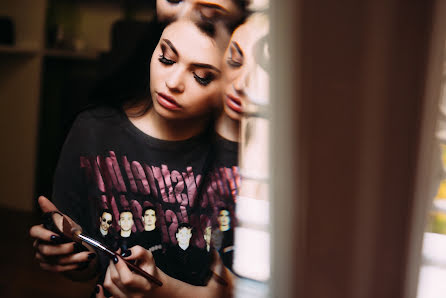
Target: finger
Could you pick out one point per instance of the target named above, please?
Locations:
(55, 250)
(59, 268)
(114, 275)
(141, 255)
(220, 273)
(99, 291)
(77, 258)
(129, 280)
(41, 258)
(46, 205)
(39, 232)
(144, 260)
(217, 263)
(36, 243)
(109, 284)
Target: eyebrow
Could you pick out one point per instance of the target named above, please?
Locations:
(214, 6)
(204, 65)
(237, 47)
(169, 43)
(200, 65)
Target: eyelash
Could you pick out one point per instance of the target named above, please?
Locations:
(174, 1)
(164, 60)
(204, 81)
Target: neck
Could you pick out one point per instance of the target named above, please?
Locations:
(224, 228)
(228, 128)
(103, 232)
(158, 127)
(149, 228)
(126, 233)
(183, 246)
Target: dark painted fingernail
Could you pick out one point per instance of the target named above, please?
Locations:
(115, 259)
(97, 289)
(78, 247)
(126, 253)
(91, 256)
(82, 266)
(55, 239)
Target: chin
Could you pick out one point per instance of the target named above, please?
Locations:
(167, 114)
(232, 114)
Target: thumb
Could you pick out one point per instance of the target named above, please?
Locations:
(99, 291)
(46, 205)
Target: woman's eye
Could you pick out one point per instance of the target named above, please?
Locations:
(204, 81)
(234, 63)
(209, 13)
(166, 61)
(174, 1)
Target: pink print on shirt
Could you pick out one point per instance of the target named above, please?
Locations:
(172, 192)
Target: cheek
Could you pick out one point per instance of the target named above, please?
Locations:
(205, 100)
(155, 73)
(230, 75)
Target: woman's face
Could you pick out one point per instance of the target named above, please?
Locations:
(185, 73)
(240, 68)
(171, 10)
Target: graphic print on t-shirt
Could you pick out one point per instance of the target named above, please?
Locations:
(130, 185)
(108, 166)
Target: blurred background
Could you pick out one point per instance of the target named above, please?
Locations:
(354, 160)
(55, 56)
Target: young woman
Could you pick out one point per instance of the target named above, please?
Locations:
(241, 73)
(244, 73)
(125, 160)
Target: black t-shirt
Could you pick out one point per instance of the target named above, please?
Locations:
(151, 240)
(109, 240)
(225, 181)
(124, 243)
(108, 163)
(191, 265)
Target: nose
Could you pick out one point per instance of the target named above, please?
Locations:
(241, 82)
(175, 82)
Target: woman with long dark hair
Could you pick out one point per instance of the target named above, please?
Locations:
(125, 159)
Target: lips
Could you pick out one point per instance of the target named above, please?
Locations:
(234, 103)
(167, 102)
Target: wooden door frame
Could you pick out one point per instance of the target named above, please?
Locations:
(353, 93)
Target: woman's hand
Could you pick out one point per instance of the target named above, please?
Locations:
(60, 257)
(121, 282)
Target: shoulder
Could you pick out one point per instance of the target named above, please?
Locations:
(99, 114)
(90, 124)
(98, 118)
